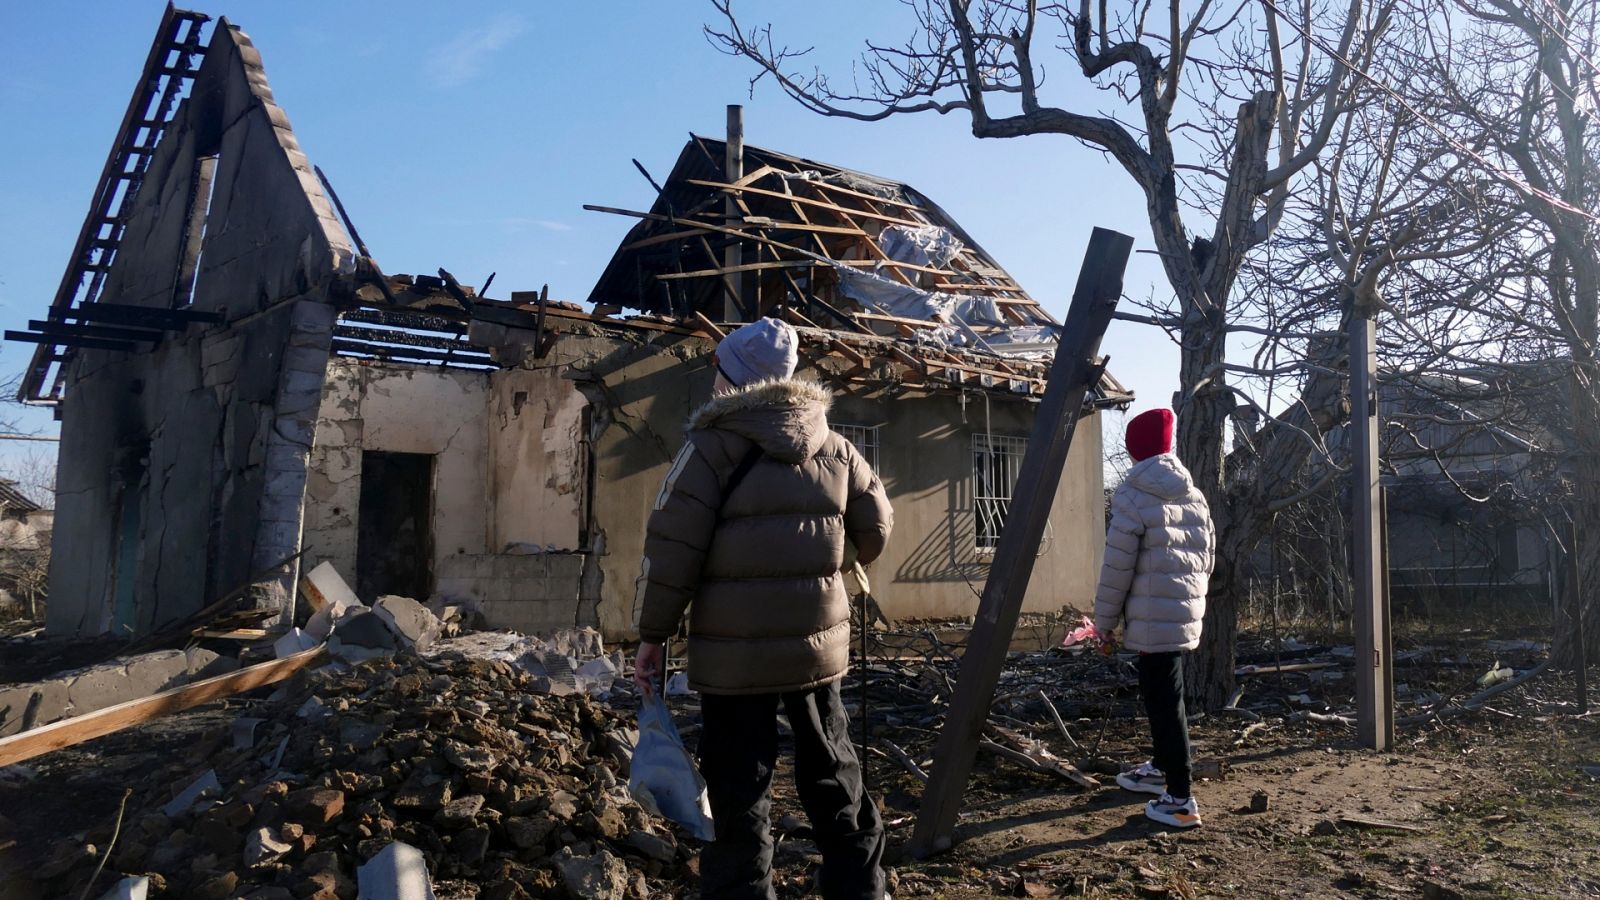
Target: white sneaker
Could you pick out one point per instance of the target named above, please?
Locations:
(1169, 810)
(1144, 778)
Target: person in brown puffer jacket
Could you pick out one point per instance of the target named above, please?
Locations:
(749, 532)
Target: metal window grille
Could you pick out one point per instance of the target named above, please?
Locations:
(996, 462)
(865, 439)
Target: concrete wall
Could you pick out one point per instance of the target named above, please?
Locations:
(531, 593)
(399, 409)
(642, 393)
(165, 460)
(933, 567)
(182, 468)
(538, 459)
(522, 444)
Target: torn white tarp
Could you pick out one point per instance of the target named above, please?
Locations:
(1026, 341)
(923, 245)
(854, 181)
(902, 300)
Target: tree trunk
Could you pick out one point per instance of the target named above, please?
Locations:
(1202, 410)
(1586, 526)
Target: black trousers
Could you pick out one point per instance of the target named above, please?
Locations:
(738, 749)
(1161, 682)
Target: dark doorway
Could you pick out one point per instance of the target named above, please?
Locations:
(394, 542)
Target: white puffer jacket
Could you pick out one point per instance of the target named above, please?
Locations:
(1159, 551)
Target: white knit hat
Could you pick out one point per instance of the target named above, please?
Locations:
(764, 350)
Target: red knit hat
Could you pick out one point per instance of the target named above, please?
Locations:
(1150, 433)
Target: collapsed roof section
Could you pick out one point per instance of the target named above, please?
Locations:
(196, 255)
(848, 258)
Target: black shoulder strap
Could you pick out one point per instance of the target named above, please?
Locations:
(746, 463)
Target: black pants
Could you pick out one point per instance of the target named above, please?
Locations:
(738, 749)
(1161, 682)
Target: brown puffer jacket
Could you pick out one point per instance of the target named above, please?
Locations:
(770, 611)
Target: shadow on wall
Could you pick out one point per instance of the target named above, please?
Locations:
(948, 552)
(650, 407)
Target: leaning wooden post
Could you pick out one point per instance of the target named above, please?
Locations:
(1074, 372)
(732, 171)
(1374, 669)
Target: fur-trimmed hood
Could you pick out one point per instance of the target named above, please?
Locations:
(788, 418)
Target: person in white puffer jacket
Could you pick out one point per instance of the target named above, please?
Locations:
(1160, 547)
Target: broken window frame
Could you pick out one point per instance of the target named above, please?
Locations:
(996, 463)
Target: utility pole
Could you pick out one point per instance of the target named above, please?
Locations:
(1374, 669)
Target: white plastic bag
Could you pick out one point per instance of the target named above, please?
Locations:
(663, 774)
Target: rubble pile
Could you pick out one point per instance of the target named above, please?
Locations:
(516, 792)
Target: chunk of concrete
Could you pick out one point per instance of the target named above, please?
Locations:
(206, 785)
(264, 845)
(600, 876)
(14, 703)
(98, 687)
(360, 636)
(397, 872)
(151, 673)
(414, 624)
(205, 663)
(324, 588)
(295, 641)
(134, 887)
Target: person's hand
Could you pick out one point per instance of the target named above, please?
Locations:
(646, 666)
(1108, 641)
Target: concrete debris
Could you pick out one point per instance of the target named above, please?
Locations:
(398, 872)
(414, 624)
(244, 732)
(264, 845)
(443, 766)
(323, 588)
(361, 635)
(84, 690)
(295, 641)
(600, 876)
(204, 786)
(130, 888)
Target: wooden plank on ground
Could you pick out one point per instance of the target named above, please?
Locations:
(102, 722)
(1074, 371)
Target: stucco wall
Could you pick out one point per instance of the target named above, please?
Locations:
(932, 567)
(519, 445)
(191, 458)
(537, 455)
(399, 409)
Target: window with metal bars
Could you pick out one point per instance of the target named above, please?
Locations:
(865, 439)
(996, 462)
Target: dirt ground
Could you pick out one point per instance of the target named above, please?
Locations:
(1492, 803)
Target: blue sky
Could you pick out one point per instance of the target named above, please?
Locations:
(468, 135)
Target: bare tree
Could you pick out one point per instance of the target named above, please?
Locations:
(1215, 112)
(1515, 91)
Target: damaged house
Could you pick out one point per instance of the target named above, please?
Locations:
(244, 394)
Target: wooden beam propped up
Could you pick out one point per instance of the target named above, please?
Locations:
(1072, 375)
